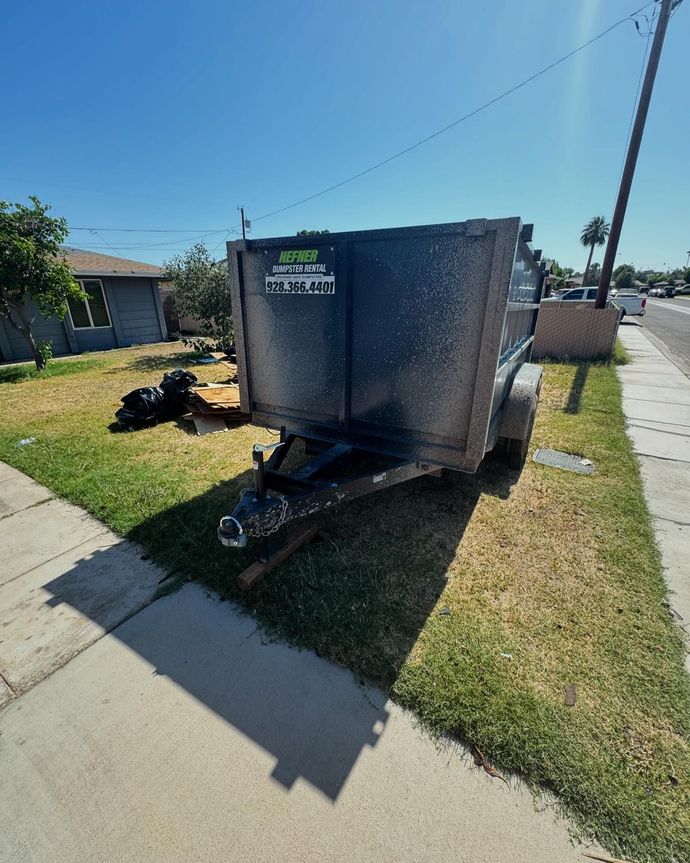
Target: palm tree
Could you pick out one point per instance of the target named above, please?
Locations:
(593, 234)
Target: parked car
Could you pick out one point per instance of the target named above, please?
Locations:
(629, 301)
(668, 291)
(574, 294)
(684, 289)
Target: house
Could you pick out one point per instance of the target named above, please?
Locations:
(572, 282)
(123, 308)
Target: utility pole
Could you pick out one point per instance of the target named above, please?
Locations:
(667, 7)
(244, 235)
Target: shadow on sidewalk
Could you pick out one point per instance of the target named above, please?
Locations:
(359, 597)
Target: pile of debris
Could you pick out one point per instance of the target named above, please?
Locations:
(213, 406)
(150, 405)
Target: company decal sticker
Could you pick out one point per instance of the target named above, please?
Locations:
(307, 272)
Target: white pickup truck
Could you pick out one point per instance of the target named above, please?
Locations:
(630, 302)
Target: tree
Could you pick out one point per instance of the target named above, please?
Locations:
(621, 268)
(307, 233)
(33, 269)
(594, 273)
(593, 234)
(686, 275)
(625, 280)
(202, 290)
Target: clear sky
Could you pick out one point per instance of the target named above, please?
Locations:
(155, 114)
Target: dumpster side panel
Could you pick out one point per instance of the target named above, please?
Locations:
(524, 295)
(417, 318)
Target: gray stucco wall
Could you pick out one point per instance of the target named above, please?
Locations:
(135, 312)
(15, 345)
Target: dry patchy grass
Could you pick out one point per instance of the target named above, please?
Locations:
(558, 571)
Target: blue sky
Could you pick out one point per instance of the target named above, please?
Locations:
(169, 114)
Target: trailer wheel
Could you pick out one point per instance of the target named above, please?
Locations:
(518, 416)
(516, 450)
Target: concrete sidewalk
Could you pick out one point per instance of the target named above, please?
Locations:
(656, 401)
(182, 734)
(65, 580)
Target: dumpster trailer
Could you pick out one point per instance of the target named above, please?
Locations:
(391, 354)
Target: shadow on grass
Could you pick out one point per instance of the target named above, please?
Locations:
(154, 362)
(574, 403)
(359, 596)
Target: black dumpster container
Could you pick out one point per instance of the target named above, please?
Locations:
(403, 342)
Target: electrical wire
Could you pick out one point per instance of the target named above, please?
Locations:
(631, 17)
(650, 27)
(449, 126)
(156, 230)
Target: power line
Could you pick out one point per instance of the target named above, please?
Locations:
(647, 36)
(411, 147)
(473, 113)
(166, 243)
(208, 231)
(104, 240)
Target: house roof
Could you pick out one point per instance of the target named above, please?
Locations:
(83, 263)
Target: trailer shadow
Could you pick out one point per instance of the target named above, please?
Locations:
(359, 597)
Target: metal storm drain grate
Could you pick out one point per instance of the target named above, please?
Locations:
(564, 460)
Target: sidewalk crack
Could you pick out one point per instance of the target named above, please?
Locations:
(30, 506)
(55, 556)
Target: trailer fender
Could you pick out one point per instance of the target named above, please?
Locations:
(521, 404)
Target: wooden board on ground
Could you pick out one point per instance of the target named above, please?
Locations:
(208, 424)
(256, 571)
(218, 400)
(223, 360)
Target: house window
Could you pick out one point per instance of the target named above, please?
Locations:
(92, 312)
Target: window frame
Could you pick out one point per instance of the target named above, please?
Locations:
(581, 291)
(92, 326)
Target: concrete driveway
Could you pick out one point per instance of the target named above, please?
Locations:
(182, 734)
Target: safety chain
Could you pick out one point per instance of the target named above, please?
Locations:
(270, 525)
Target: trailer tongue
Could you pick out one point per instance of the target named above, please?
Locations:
(391, 354)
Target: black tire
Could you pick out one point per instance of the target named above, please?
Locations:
(516, 453)
(516, 450)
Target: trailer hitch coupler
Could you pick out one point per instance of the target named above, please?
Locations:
(230, 532)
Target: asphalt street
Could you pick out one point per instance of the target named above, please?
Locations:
(668, 322)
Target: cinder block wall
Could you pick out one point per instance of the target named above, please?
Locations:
(576, 332)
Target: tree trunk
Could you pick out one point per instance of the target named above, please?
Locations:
(38, 357)
(24, 327)
(589, 261)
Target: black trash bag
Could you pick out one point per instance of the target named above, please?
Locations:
(149, 405)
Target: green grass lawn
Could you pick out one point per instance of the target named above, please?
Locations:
(544, 580)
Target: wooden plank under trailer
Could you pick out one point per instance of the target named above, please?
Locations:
(336, 474)
(261, 567)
